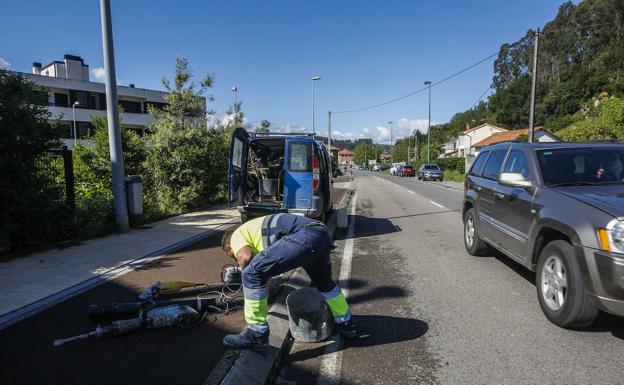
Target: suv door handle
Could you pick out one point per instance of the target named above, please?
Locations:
(498, 195)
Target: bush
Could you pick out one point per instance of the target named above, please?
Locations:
(32, 207)
(454, 164)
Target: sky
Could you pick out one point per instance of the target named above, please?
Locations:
(366, 52)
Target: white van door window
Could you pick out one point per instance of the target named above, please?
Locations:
(237, 153)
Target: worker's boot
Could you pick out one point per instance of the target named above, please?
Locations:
(249, 339)
(347, 329)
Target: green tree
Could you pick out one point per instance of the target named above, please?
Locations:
(607, 126)
(364, 152)
(264, 126)
(30, 211)
(187, 162)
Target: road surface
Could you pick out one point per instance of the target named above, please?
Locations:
(430, 313)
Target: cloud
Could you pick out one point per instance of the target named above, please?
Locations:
(4, 65)
(405, 126)
(98, 74)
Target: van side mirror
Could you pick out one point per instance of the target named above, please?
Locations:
(514, 179)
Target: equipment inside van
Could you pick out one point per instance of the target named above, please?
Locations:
(272, 172)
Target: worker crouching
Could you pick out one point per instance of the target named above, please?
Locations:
(274, 244)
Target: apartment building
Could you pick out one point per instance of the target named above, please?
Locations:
(73, 94)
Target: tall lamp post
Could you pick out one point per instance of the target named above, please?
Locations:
(76, 103)
(428, 83)
(114, 129)
(313, 80)
(235, 90)
(391, 143)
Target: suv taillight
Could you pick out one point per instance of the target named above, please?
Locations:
(315, 173)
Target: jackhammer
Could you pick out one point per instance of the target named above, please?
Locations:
(158, 317)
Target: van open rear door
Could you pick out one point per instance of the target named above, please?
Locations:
(239, 150)
(299, 173)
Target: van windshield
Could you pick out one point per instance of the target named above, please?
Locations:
(582, 166)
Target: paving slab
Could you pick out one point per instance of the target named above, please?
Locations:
(42, 279)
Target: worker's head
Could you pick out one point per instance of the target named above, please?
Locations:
(225, 243)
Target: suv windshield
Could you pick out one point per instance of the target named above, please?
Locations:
(582, 166)
(432, 167)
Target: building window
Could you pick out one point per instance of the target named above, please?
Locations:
(156, 105)
(130, 106)
(61, 100)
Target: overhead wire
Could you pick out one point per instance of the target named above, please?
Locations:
(461, 72)
(421, 89)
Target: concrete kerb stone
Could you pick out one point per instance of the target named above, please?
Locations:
(253, 368)
(72, 291)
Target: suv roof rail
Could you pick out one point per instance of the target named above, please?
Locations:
(282, 134)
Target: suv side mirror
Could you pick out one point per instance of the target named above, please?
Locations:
(514, 179)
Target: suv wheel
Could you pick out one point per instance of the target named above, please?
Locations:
(560, 288)
(474, 244)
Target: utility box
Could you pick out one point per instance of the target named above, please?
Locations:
(134, 194)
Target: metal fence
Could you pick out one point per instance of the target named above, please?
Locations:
(57, 170)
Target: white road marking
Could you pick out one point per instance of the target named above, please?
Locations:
(437, 204)
(410, 191)
(331, 363)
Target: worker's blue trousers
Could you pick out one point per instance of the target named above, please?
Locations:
(309, 248)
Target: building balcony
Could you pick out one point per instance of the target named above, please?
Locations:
(84, 115)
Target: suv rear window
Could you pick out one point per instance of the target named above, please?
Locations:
(300, 156)
(493, 165)
(432, 167)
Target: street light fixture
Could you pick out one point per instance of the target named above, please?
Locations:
(313, 80)
(428, 83)
(76, 103)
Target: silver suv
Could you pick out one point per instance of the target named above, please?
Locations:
(557, 209)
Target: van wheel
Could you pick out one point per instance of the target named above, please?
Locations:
(472, 241)
(560, 287)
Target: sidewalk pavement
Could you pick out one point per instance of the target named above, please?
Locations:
(32, 283)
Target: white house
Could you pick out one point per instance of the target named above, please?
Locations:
(68, 82)
(466, 140)
(539, 135)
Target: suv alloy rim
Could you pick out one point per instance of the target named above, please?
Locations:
(469, 231)
(554, 285)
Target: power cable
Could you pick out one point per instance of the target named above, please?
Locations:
(482, 95)
(421, 89)
(464, 70)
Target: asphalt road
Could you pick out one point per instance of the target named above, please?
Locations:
(430, 313)
(157, 356)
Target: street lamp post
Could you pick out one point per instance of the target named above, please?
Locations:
(313, 80)
(114, 128)
(76, 103)
(235, 90)
(428, 83)
(391, 143)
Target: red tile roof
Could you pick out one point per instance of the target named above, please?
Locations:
(503, 137)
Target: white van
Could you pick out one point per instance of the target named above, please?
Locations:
(396, 167)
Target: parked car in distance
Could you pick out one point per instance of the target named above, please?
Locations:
(271, 173)
(430, 172)
(381, 167)
(557, 209)
(394, 170)
(407, 171)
